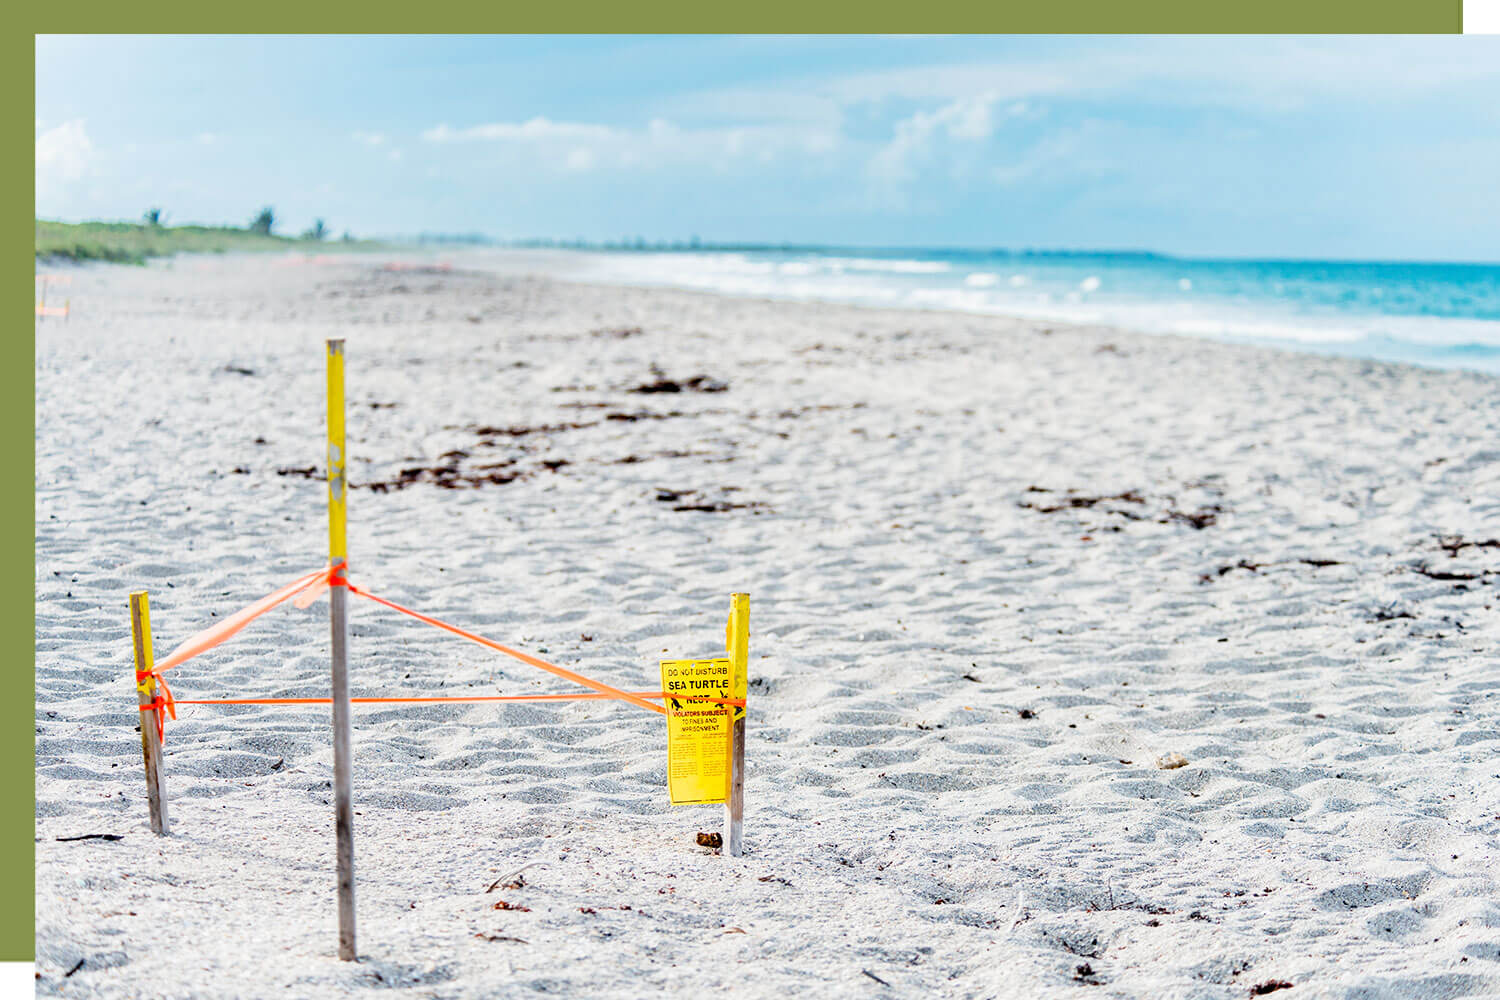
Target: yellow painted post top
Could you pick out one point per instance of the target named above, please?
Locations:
(338, 550)
(737, 639)
(140, 630)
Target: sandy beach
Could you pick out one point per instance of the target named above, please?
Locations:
(999, 570)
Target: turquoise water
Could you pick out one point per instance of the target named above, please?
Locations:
(1445, 315)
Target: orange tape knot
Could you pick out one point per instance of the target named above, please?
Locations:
(160, 705)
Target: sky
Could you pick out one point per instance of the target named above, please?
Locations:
(1224, 146)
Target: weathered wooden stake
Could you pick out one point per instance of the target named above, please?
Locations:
(140, 630)
(739, 660)
(338, 595)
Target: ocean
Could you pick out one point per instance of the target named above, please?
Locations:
(1445, 315)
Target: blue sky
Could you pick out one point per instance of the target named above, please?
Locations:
(1213, 146)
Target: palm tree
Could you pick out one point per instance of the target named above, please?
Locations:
(317, 232)
(263, 222)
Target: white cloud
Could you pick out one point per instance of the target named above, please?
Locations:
(976, 123)
(969, 119)
(581, 146)
(1268, 73)
(64, 156)
(369, 138)
(536, 129)
(1247, 73)
(949, 136)
(64, 150)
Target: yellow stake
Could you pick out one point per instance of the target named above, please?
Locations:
(140, 631)
(737, 638)
(337, 484)
(338, 596)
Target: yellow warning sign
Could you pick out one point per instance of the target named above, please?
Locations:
(697, 731)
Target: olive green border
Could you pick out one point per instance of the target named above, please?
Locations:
(17, 400)
(18, 511)
(792, 16)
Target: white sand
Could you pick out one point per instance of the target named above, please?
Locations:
(908, 830)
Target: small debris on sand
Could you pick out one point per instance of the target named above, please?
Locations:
(1171, 761)
(514, 879)
(448, 477)
(1453, 544)
(713, 840)
(1269, 986)
(630, 418)
(698, 383)
(526, 430)
(694, 500)
(1110, 503)
(1256, 567)
(1075, 501)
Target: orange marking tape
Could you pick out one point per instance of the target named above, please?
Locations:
(551, 668)
(215, 634)
(156, 705)
(562, 696)
(303, 591)
(164, 704)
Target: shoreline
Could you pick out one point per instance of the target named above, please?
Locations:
(572, 264)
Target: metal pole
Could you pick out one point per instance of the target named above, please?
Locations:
(338, 558)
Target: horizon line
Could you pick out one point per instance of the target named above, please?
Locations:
(696, 244)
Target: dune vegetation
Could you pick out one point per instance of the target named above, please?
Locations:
(134, 242)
